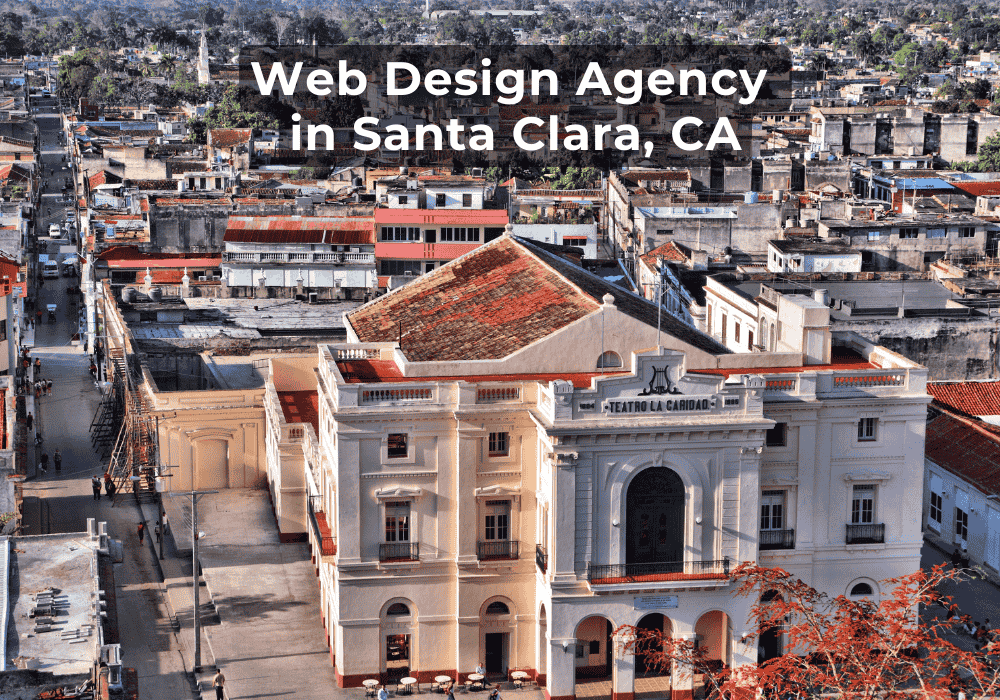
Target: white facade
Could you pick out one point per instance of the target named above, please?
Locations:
(447, 533)
(579, 235)
(804, 262)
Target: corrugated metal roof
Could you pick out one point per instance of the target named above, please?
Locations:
(446, 217)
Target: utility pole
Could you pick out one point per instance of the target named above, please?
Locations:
(194, 563)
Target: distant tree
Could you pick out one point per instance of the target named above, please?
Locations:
(988, 158)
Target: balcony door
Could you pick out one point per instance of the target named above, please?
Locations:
(654, 516)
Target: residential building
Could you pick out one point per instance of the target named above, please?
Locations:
(561, 217)
(509, 458)
(802, 255)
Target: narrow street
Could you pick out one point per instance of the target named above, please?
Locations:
(62, 501)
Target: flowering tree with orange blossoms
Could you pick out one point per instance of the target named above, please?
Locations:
(850, 648)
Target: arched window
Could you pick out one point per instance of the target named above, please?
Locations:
(497, 608)
(609, 359)
(397, 609)
(654, 516)
(861, 589)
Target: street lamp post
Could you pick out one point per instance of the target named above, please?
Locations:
(195, 495)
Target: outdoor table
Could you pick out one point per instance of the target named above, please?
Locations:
(441, 680)
(477, 679)
(408, 684)
(370, 685)
(518, 678)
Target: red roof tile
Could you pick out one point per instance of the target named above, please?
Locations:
(486, 305)
(979, 189)
(227, 138)
(300, 407)
(379, 371)
(973, 398)
(293, 229)
(104, 178)
(966, 447)
(674, 252)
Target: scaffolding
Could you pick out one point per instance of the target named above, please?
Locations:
(124, 431)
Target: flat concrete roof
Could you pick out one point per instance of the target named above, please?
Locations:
(917, 294)
(66, 563)
(271, 315)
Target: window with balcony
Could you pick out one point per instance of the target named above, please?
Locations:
(397, 545)
(496, 542)
(863, 529)
(773, 531)
(867, 429)
(499, 444)
(397, 446)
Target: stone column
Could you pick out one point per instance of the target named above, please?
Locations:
(623, 675)
(681, 675)
(562, 669)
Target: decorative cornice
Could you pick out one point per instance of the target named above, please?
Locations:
(398, 492)
(398, 475)
(867, 476)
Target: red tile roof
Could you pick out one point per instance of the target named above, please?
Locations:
(973, 398)
(123, 256)
(297, 229)
(443, 217)
(104, 178)
(672, 251)
(966, 447)
(227, 138)
(300, 407)
(486, 305)
(980, 188)
(380, 371)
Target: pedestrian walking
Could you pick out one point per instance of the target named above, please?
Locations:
(45, 461)
(38, 360)
(141, 529)
(38, 390)
(110, 488)
(48, 388)
(57, 460)
(219, 683)
(30, 420)
(95, 484)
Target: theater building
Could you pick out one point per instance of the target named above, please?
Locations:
(510, 460)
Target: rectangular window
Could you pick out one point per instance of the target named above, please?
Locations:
(499, 444)
(961, 524)
(936, 504)
(399, 267)
(466, 200)
(736, 332)
(908, 232)
(967, 232)
(397, 445)
(863, 504)
(497, 522)
(749, 340)
(724, 319)
(403, 198)
(580, 651)
(595, 647)
(460, 234)
(399, 233)
(772, 510)
(579, 242)
(873, 235)
(867, 429)
(397, 521)
(440, 200)
(777, 436)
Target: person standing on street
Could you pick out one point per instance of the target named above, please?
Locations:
(57, 460)
(141, 530)
(30, 421)
(45, 462)
(219, 683)
(95, 484)
(48, 388)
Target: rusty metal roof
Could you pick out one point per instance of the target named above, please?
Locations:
(300, 229)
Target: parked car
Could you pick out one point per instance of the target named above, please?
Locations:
(54, 231)
(50, 270)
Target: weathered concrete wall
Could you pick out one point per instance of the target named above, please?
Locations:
(183, 228)
(908, 135)
(951, 348)
(863, 136)
(754, 226)
(738, 178)
(777, 175)
(836, 173)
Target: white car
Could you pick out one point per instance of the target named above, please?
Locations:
(50, 270)
(54, 231)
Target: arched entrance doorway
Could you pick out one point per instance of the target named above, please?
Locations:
(769, 643)
(543, 647)
(654, 516)
(398, 638)
(714, 633)
(594, 647)
(496, 624)
(645, 664)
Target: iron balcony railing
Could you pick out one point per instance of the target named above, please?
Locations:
(399, 551)
(777, 539)
(658, 571)
(321, 528)
(498, 549)
(865, 533)
(541, 558)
